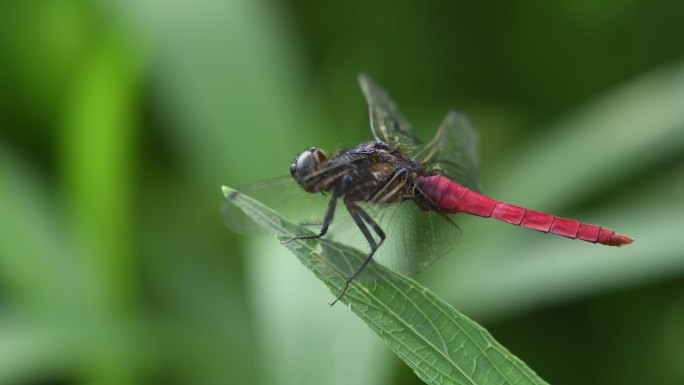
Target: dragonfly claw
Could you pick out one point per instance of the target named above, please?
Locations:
(344, 290)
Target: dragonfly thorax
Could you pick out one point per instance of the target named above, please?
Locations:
(371, 171)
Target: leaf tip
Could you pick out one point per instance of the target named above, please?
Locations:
(227, 191)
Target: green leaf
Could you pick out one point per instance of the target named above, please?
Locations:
(440, 344)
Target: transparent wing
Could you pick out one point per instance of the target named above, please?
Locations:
(414, 238)
(387, 123)
(284, 196)
(455, 150)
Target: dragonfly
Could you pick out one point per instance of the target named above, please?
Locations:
(399, 193)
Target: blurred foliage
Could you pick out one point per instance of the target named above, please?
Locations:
(119, 120)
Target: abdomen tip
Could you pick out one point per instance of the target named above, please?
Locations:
(619, 240)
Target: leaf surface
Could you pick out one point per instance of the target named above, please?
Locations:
(441, 345)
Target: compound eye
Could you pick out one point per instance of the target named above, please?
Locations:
(305, 162)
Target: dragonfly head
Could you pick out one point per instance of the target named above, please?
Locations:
(304, 166)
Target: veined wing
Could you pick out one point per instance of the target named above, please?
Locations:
(455, 151)
(415, 238)
(387, 123)
(286, 197)
(283, 195)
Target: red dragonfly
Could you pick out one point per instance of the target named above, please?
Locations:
(415, 188)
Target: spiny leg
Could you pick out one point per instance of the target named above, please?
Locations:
(327, 220)
(359, 216)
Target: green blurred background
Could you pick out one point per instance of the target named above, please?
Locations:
(119, 121)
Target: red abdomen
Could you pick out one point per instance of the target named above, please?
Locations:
(450, 197)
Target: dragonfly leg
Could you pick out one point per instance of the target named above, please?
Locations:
(359, 216)
(327, 220)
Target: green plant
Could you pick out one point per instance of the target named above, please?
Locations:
(441, 345)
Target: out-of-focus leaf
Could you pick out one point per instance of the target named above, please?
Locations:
(227, 75)
(440, 344)
(31, 351)
(98, 145)
(226, 95)
(34, 266)
(595, 147)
